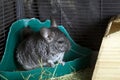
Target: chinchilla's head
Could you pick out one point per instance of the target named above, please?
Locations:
(57, 41)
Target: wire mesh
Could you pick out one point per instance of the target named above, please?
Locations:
(7, 16)
(85, 20)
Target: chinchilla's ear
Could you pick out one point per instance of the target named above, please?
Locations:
(47, 34)
(53, 22)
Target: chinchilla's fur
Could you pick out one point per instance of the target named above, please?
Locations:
(45, 47)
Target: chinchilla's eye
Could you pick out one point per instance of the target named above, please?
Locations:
(60, 42)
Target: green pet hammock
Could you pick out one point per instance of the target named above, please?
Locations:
(77, 58)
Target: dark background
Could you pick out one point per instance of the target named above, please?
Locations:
(85, 20)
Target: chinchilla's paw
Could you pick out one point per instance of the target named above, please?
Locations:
(51, 63)
(62, 62)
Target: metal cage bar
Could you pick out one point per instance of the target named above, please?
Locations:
(85, 20)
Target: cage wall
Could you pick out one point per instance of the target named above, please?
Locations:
(85, 20)
(7, 16)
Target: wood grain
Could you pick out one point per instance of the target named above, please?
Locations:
(108, 62)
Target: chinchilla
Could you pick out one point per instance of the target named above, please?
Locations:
(43, 48)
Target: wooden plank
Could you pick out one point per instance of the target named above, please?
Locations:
(108, 62)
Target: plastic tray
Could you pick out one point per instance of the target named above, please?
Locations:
(77, 58)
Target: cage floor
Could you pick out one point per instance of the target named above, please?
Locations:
(80, 75)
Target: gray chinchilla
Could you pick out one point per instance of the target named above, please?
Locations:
(45, 47)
